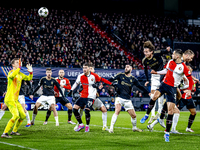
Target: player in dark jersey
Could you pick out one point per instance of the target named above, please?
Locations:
(48, 84)
(153, 60)
(124, 84)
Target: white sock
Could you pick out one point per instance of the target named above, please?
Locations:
(33, 118)
(154, 123)
(81, 112)
(56, 119)
(160, 103)
(134, 121)
(2, 112)
(153, 110)
(175, 121)
(104, 118)
(113, 120)
(28, 118)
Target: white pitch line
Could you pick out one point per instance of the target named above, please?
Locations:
(17, 145)
(125, 128)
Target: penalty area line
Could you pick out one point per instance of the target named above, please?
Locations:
(16, 145)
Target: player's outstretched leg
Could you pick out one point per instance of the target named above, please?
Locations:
(114, 117)
(48, 114)
(104, 118)
(35, 111)
(87, 117)
(69, 106)
(81, 114)
(55, 113)
(78, 118)
(134, 120)
(191, 119)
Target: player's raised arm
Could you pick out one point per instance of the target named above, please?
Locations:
(137, 84)
(116, 77)
(30, 70)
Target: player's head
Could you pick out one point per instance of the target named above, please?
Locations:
(148, 49)
(177, 54)
(61, 73)
(128, 69)
(91, 68)
(15, 63)
(86, 68)
(48, 72)
(188, 55)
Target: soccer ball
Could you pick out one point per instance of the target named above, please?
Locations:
(43, 12)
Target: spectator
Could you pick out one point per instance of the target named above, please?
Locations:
(103, 93)
(112, 105)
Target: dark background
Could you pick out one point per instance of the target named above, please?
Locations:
(178, 7)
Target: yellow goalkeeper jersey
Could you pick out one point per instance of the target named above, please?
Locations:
(15, 78)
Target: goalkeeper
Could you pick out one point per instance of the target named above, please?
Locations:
(15, 78)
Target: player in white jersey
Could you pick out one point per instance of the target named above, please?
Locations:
(98, 105)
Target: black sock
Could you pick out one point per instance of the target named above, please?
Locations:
(150, 107)
(87, 116)
(69, 114)
(77, 115)
(48, 115)
(169, 122)
(163, 111)
(191, 120)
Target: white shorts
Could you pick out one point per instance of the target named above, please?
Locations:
(46, 99)
(127, 104)
(155, 81)
(97, 104)
(21, 99)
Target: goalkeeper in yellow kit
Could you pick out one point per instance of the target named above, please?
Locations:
(15, 78)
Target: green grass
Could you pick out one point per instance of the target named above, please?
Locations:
(64, 137)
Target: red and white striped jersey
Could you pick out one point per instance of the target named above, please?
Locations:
(87, 82)
(66, 85)
(175, 73)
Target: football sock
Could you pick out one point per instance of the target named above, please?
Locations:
(87, 116)
(28, 118)
(81, 112)
(169, 122)
(134, 121)
(77, 115)
(175, 121)
(2, 112)
(150, 107)
(154, 123)
(56, 119)
(163, 111)
(191, 120)
(33, 118)
(104, 118)
(113, 120)
(69, 114)
(153, 111)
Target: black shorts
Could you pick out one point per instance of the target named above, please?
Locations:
(189, 103)
(62, 101)
(169, 90)
(87, 102)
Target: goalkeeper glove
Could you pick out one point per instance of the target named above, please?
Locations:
(29, 68)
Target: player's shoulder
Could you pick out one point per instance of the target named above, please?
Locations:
(54, 79)
(119, 74)
(66, 79)
(43, 78)
(143, 60)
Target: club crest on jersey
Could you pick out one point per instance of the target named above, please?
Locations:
(179, 68)
(154, 59)
(91, 79)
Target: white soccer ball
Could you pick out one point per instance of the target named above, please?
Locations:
(43, 12)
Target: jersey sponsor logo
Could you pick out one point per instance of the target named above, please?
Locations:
(124, 83)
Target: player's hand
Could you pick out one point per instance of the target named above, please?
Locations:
(4, 94)
(114, 83)
(29, 68)
(153, 72)
(146, 83)
(149, 94)
(100, 86)
(31, 97)
(188, 92)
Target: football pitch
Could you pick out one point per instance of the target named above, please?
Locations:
(47, 137)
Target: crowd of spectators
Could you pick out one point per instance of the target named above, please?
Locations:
(62, 39)
(65, 39)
